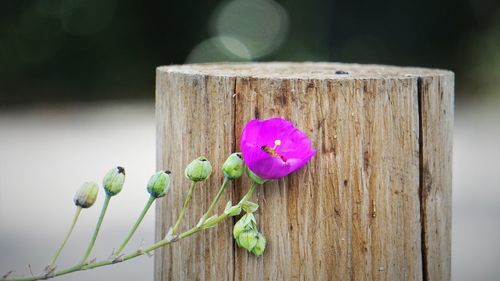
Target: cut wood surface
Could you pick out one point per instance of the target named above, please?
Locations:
(374, 203)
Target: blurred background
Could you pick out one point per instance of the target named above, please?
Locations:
(77, 98)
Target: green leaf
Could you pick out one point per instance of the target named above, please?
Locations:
(228, 205)
(250, 207)
(233, 211)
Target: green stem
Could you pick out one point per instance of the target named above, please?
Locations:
(184, 208)
(134, 228)
(73, 223)
(97, 227)
(161, 243)
(248, 194)
(214, 202)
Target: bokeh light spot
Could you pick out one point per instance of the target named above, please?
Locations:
(260, 25)
(219, 49)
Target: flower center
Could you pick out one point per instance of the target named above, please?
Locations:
(272, 150)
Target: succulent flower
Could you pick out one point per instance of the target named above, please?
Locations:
(199, 169)
(234, 166)
(159, 184)
(274, 148)
(113, 181)
(87, 194)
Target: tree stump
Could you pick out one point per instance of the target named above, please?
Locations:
(374, 203)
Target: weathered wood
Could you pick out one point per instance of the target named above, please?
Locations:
(436, 103)
(373, 204)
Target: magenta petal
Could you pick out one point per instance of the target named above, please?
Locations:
(293, 151)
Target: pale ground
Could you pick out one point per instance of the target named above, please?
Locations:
(47, 152)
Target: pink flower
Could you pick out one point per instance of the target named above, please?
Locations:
(274, 148)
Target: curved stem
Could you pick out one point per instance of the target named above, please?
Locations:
(134, 228)
(97, 227)
(72, 226)
(214, 202)
(161, 243)
(248, 194)
(187, 201)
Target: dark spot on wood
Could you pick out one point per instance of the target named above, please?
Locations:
(291, 227)
(366, 160)
(426, 180)
(281, 99)
(320, 123)
(167, 172)
(337, 211)
(341, 72)
(310, 86)
(425, 87)
(256, 113)
(365, 88)
(327, 145)
(346, 182)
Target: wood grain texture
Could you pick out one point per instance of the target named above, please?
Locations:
(354, 212)
(436, 100)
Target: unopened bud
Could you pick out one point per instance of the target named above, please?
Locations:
(247, 222)
(248, 239)
(113, 181)
(233, 167)
(199, 169)
(259, 248)
(254, 177)
(87, 194)
(159, 184)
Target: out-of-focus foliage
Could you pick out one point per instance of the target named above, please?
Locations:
(60, 50)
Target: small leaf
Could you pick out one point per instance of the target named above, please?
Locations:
(249, 220)
(233, 211)
(250, 207)
(229, 204)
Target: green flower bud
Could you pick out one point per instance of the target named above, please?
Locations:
(199, 169)
(233, 167)
(247, 222)
(248, 239)
(254, 177)
(87, 194)
(159, 184)
(113, 181)
(259, 248)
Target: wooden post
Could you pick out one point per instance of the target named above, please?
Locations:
(373, 204)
